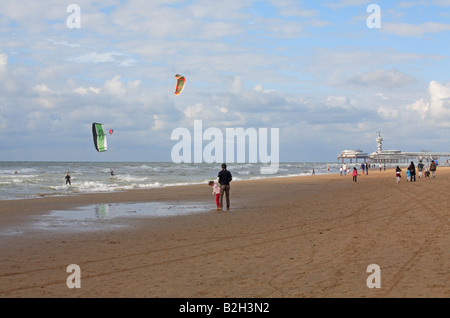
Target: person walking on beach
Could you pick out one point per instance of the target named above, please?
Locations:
(68, 179)
(420, 168)
(398, 174)
(355, 174)
(427, 173)
(412, 169)
(432, 169)
(225, 178)
(344, 168)
(216, 191)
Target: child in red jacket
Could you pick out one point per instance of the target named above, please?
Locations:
(355, 174)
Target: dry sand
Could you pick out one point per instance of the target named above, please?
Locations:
(310, 236)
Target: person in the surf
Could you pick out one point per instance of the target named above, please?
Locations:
(68, 179)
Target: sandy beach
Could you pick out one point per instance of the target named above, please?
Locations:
(299, 237)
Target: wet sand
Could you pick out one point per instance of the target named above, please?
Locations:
(311, 236)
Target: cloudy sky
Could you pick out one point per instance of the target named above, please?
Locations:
(317, 70)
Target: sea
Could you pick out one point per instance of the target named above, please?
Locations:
(37, 179)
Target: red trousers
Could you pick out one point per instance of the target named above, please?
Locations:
(217, 199)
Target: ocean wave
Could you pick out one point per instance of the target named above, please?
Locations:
(39, 179)
(129, 178)
(19, 171)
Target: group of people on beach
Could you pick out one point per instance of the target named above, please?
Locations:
(429, 171)
(343, 170)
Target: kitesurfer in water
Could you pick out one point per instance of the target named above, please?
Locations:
(68, 179)
(111, 172)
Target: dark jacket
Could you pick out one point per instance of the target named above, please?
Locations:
(225, 177)
(432, 166)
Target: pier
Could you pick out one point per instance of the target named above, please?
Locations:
(390, 156)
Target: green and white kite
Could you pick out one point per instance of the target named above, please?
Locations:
(99, 137)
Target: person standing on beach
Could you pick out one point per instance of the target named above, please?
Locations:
(412, 169)
(216, 191)
(398, 174)
(344, 168)
(355, 174)
(225, 178)
(68, 179)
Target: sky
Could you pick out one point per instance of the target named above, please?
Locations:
(328, 74)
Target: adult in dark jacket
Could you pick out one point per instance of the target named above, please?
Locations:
(225, 178)
(412, 170)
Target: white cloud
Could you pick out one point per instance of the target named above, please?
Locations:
(64, 43)
(421, 107)
(387, 78)
(260, 89)
(387, 112)
(3, 63)
(346, 3)
(276, 27)
(338, 102)
(200, 111)
(105, 57)
(382, 96)
(116, 86)
(291, 8)
(237, 86)
(407, 29)
(42, 88)
(409, 4)
(442, 3)
(437, 107)
(158, 125)
(83, 91)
